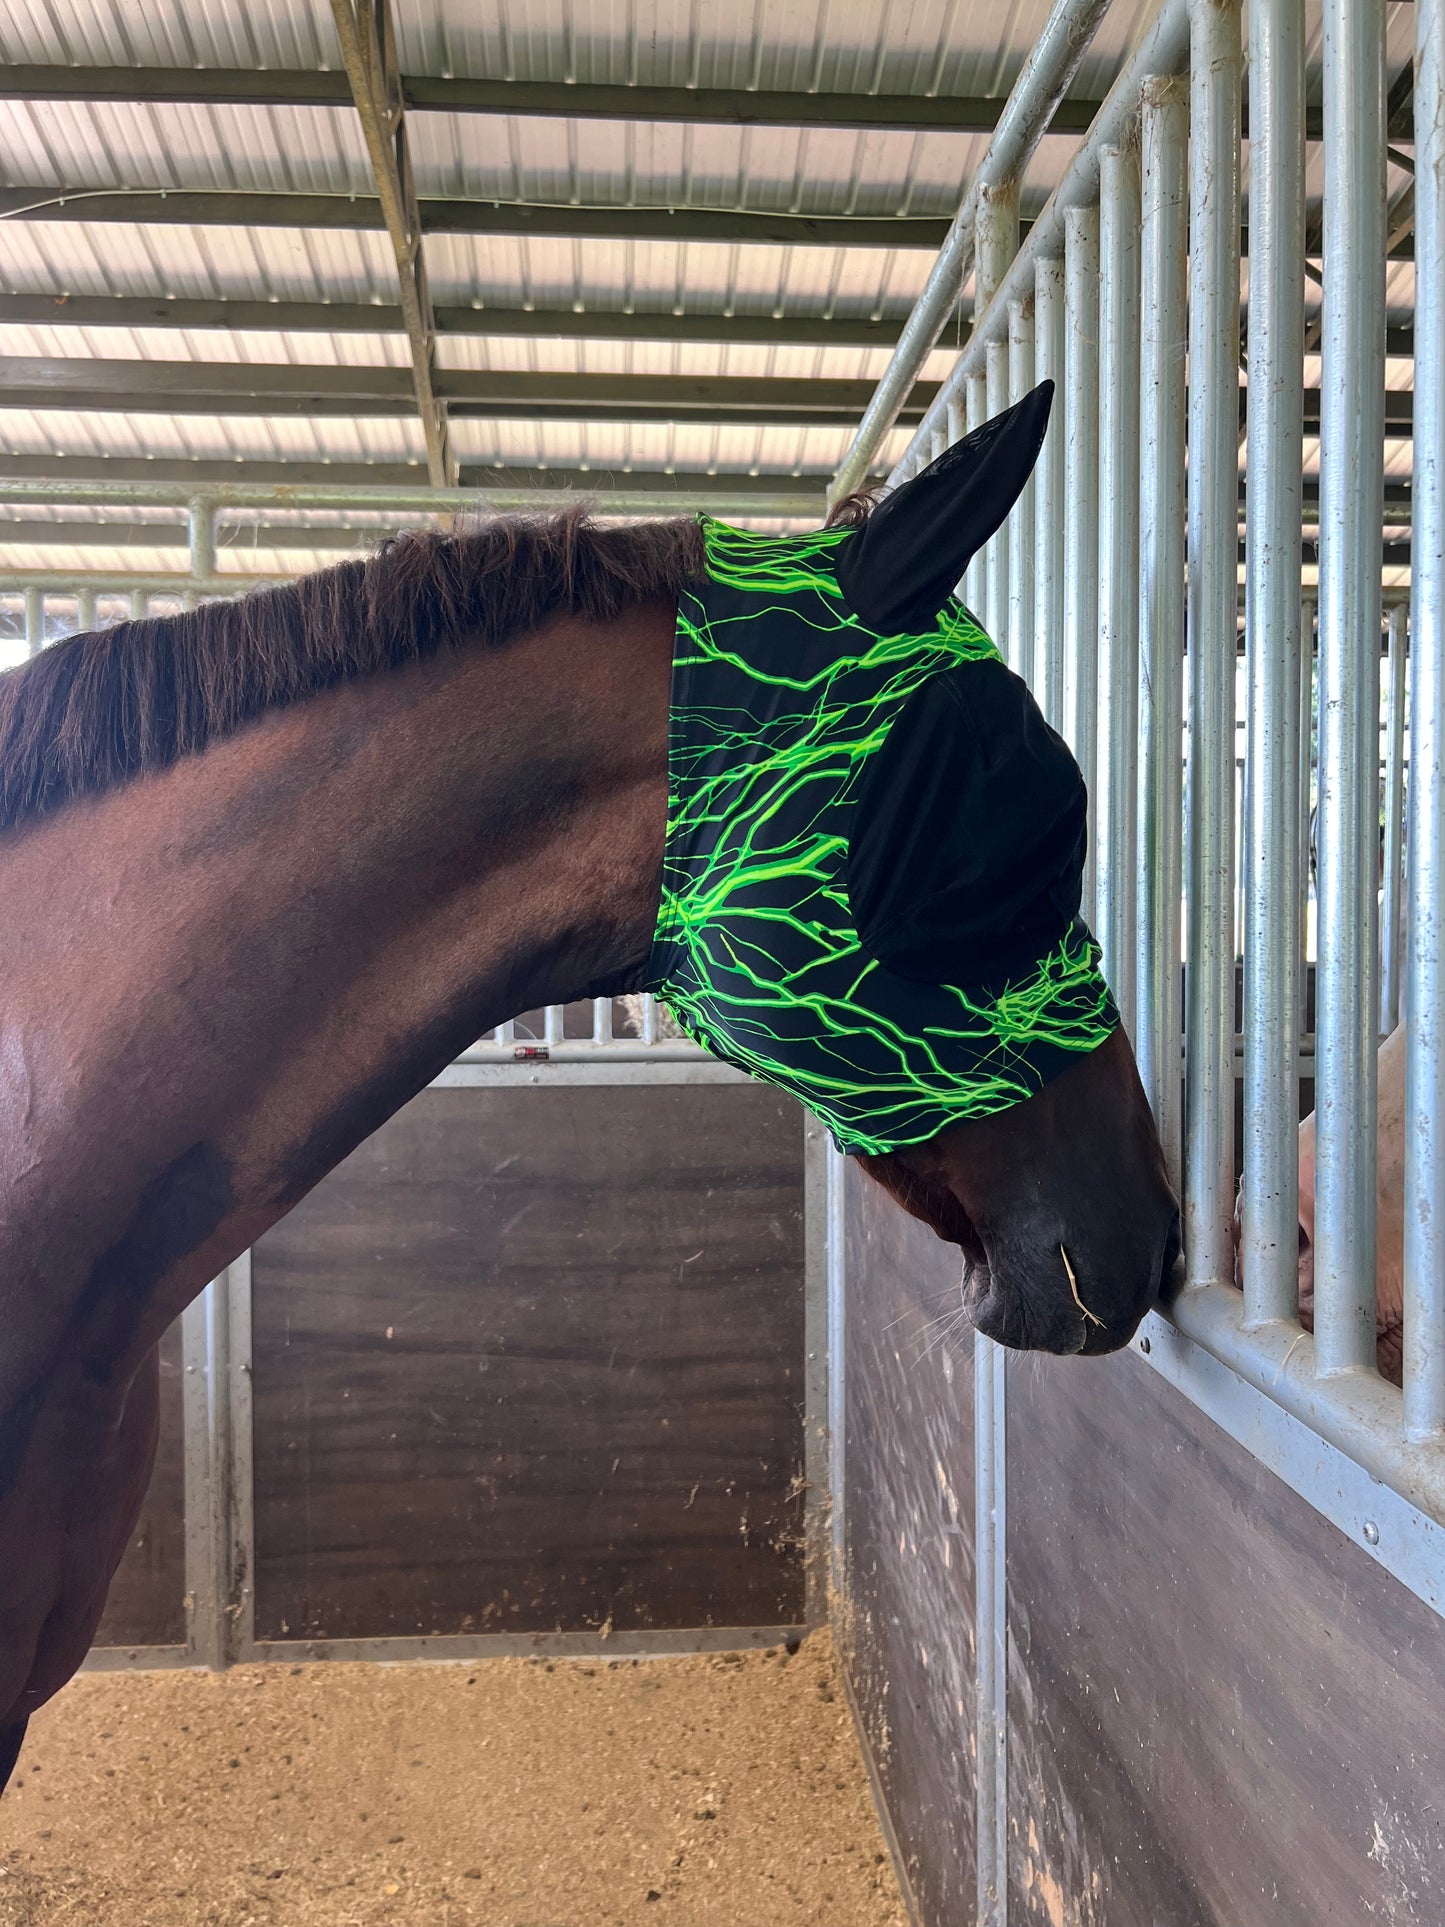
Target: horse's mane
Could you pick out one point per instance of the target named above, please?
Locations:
(97, 709)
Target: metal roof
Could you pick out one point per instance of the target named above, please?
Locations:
(652, 259)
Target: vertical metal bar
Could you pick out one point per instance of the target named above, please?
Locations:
(996, 554)
(1048, 663)
(1020, 625)
(1392, 931)
(201, 531)
(1164, 135)
(837, 1169)
(554, 1024)
(991, 1628)
(817, 1148)
(1270, 1241)
(505, 1033)
(1352, 402)
(602, 1020)
(34, 621)
(1306, 799)
(975, 415)
(1424, 1373)
(996, 243)
(1213, 513)
(209, 1479)
(85, 612)
(200, 1557)
(1117, 804)
(241, 1538)
(1081, 501)
(649, 1019)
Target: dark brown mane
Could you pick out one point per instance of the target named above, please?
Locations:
(97, 709)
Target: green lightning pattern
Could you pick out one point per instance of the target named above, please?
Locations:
(780, 697)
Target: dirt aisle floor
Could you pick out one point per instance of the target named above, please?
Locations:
(705, 1792)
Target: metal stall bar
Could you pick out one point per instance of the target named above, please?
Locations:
(1081, 507)
(1020, 624)
(1163, 50)
(1306, 799)
(1270, 1209)
(995, 246)
(1424, 1373)
(1049, 498)
(1213, 492)
(1392, 922)
(1352, 426)
(1164, 136)
(34, 618)
(1118, 570)
(1045, 79)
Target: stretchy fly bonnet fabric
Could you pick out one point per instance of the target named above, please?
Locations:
(874, 852)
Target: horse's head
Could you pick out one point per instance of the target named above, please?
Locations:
(1060, 1203)
(872, 888)
(1061, 1206)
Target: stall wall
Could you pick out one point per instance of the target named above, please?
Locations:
(530, 1360)
(1222, 1712)
(907, 1613)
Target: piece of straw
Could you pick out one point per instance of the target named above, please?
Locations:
(1074, 1288)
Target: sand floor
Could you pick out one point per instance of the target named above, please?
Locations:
(703, 1792)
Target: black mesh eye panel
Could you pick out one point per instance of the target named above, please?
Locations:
(966, 851)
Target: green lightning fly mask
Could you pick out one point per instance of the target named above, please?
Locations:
(875, 843)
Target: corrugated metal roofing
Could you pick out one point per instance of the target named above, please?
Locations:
(914, 47)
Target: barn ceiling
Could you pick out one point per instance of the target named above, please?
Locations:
(622, 244)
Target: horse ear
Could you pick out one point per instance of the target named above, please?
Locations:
(900, 568)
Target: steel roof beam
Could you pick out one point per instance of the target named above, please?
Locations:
(368, 46)
(210, 207)
(571, 324)
(737, 485)
(559, 100)
(287, 388)
(252, 387)
(367, 318)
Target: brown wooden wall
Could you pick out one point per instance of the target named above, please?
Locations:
(1222, 1712)
(532, 1360)
(908, 1613)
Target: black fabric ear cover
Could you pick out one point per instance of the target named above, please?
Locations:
(900, 568)
(966, 856)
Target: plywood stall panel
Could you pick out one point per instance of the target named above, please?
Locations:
(908, 1616)
(1221, 1709)
(146, 1605)
(533, 1359)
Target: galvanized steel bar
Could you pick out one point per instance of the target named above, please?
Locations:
(1270, 1212)
(990, 1438)
(975, 415)
(1049, 496)
(1213, 490)
(1352, 388)
(1164, 138)
(85, 616)
(1393, 934)
(1117, 802)
(1036, 94)
(1081, 504)
(1306, 800)
(1425, 993)
(996, 243)
(1163, 50)
(34, 618)
(1021, 631)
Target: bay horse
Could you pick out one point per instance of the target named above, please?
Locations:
(266, 868)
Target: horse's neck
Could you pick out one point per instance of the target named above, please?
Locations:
(220, 979)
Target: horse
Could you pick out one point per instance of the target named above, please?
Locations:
(267, 867)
